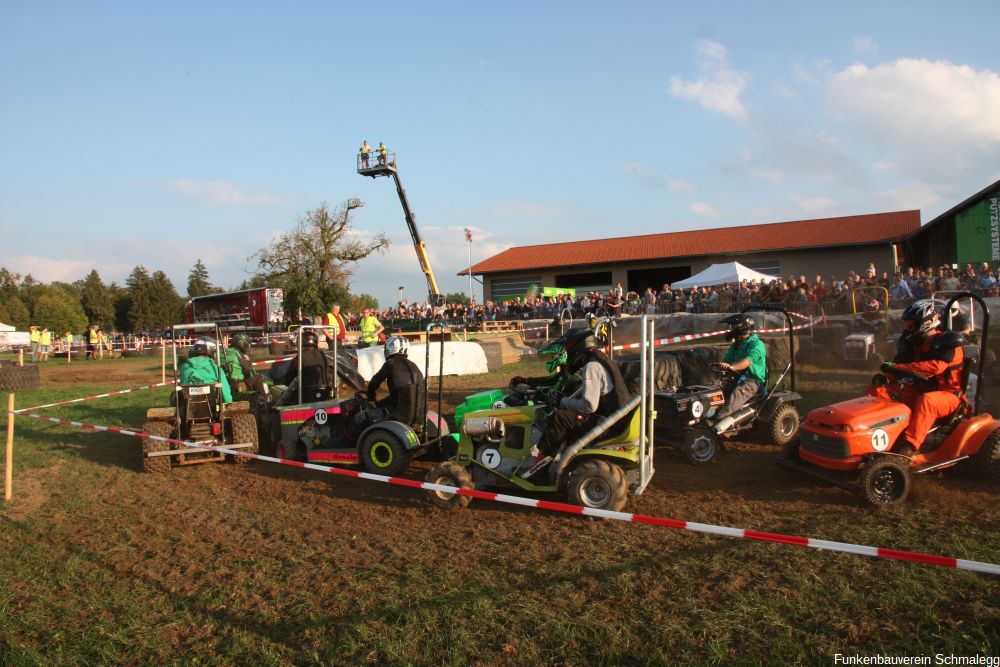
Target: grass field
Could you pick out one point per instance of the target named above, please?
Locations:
(263, 564)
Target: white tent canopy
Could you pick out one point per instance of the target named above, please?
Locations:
(5, 327)
(719, 274)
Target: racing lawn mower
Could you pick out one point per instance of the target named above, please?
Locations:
(197, 414)
(683, 411)
(851, 443)
(599, 470)
(317, 431)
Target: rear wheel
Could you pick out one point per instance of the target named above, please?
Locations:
(784, 424)
(885, 480)
(449, 473)
(701, 444)
(598, 484)
(987, 459)
(156, 463)
(383, 454)
(244, 429)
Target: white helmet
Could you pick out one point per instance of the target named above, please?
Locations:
(396, 345)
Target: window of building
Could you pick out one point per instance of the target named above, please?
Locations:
(598, 281)
(502, 289)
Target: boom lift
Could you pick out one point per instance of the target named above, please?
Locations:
(375, 165)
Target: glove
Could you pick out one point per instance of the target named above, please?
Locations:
(553, 398)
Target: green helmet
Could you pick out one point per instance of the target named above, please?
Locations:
(557, 351)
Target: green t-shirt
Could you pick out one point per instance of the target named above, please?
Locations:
(753, 349)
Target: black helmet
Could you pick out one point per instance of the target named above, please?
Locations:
(310, 339)
(740, 325)
(920, 317)
(578, 344)
(203, 345)
(242, 343)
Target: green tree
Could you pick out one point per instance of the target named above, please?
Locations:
(140, 307)
(457, 297)
(198, 283)
(362, 301)
(313, 262)
(14, 312)
(97, 301)
(168, 306)
(58, 310)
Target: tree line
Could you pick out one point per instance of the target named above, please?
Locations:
(312, 264)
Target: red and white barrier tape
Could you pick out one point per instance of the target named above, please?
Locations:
(271, 361)
(688, 337)
(724, 531)
(90, 398)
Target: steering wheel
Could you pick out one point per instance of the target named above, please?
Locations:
(899, 373)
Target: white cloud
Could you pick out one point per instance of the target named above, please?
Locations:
(933, 117)
(719, 87)
(812, 205)
(704, 210)
(222, 193)
(49, 269)
(885, 165)
(638, 172)
(864, 45)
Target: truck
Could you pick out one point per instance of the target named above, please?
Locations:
(255, 311)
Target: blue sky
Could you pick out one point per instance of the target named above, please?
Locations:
(157, 134)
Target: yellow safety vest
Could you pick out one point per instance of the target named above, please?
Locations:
(332, 333)
(92, 336)
(45, 338)
(382, 150)
(69, 338)
(368, 327)
(365, 149)
(34, 336)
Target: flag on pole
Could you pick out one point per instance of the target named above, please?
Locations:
(468, 234)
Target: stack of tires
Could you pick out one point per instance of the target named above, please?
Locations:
(14, 377)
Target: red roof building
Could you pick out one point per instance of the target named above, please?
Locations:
(826, 246)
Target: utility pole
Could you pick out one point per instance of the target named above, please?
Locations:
(468, 237)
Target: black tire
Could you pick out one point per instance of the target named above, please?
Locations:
(784, 424)
(885, 480)
(449, 473)
(987, 460)
(701, 445)
(156, 463)
(243, 428)
(791, 451)
(13, 378)
(598, 484)
(383, 453)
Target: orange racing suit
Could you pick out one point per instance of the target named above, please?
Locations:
(940, 357)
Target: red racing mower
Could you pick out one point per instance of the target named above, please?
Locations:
(850, 443)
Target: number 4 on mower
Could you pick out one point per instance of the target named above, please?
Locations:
(599, 470)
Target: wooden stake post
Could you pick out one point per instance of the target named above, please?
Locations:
(8, 485)
(163, 362)
(20, 356)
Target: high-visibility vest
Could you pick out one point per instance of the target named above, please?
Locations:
(368, 326)
(34, 336)
(69, 338)
(365, 148)
(45, 338)
(93, 336)
(382, 150)
(331, 319)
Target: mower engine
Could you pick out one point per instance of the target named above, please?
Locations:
(680, 407)
(859, 347)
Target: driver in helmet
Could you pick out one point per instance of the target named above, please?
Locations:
(556, 366)
(603, 391)
(315, 369)
(746, 359)
(935, 354)
(404, 380)
(200, 367)
(237, 366)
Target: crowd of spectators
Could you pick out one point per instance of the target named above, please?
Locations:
(828, 295)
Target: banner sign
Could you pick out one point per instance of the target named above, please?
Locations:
(977, 232)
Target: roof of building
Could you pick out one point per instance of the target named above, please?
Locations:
(950, 213)
(847, 230)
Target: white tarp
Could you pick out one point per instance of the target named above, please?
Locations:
(5, 327)
(459, 358)
(719, 274)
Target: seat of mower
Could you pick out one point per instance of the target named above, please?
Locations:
(625, 432)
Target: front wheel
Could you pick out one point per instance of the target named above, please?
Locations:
(701, 444)
(885, 481)
(784, 424)
(598, 484)
(449, 473)
(383, 454)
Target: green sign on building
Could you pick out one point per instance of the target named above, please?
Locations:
(558, 291)
(977, 232)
